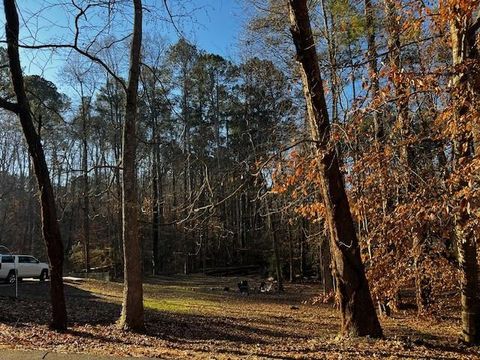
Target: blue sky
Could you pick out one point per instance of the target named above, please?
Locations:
(218, 26)
(213, 25)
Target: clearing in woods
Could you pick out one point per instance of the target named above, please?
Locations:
(193, 317)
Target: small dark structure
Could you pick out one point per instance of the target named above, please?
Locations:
(243, 287)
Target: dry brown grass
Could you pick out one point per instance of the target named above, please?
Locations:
(192, 317)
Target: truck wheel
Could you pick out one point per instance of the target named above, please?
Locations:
(11, 278)
(43, 275)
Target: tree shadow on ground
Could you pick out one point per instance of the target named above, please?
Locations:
(238, 335)
(33, 305)
(87, 308)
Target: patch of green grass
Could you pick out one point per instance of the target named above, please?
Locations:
(169, 288)
(179, 305)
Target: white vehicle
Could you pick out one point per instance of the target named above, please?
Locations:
(23, 266)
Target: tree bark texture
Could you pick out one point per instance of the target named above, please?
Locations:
(50, 227)
(132, 317)
(464, 94)
(357, 311)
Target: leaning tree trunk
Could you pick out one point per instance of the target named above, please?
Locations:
(358, 313)
(132, 308)
(50, 228)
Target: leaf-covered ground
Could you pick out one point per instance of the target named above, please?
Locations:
(193, 317)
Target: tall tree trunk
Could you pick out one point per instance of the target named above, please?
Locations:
(463, 36)
(155, 212)
(290, 255)
(358, 313)
(394, 28)
(373, 66)
(423, 288)
(50, 227)
(276, 253)
(117, 246)
(330, 37)
(132, 308)
(325, 263)
(86, 188)
(30, 207)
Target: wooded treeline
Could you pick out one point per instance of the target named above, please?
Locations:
(204, 126)
(350, 153)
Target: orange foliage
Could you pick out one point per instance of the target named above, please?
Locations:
(393, 205)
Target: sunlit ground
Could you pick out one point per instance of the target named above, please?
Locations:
(193, 317)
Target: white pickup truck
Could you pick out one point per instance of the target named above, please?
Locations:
(23, 266)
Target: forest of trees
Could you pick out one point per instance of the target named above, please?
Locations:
(344, 146)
